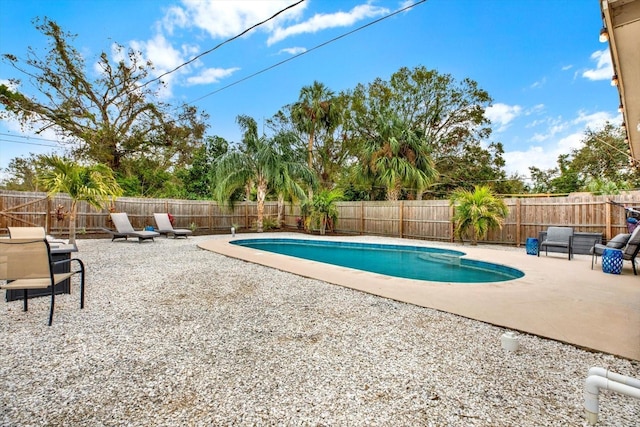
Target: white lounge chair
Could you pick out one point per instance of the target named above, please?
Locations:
(164, 226)
(124, 228)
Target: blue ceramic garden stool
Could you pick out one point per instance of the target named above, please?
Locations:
(532, 246)
(612, 261)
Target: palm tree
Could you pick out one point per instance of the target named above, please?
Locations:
(288, 184)
(477, 211)
(323, 208)
(315, 110)
(264, 166)
(396, 158)
(93, 184)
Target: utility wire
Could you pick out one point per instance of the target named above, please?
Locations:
(29, 143)
(28, 137)
(223, 43)
(307, 51)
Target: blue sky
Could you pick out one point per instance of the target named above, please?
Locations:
(540, 60)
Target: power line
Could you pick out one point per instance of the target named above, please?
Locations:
(223, 43)
(28, 137)
(310, 50)
(29, 143)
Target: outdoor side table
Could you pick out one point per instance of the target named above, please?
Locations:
(612, 261)
(532, 246)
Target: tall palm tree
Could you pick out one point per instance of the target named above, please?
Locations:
(264, 166)
(396, 158)
(288, 185)
(314, 110)
(476, 212)
(93, 184)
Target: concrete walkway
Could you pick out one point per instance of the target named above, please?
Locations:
(557, 298)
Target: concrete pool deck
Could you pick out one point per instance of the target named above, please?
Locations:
(558, 299)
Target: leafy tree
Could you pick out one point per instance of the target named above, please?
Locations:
(197, 178)
(473, 166)
(92, 184)
(604, 186)
(476, 212)
(22, 173)
(603, 156)
(569, 179)
(395, 157)
(449, 114)
(541, 179)
(108, 120)
(600, 164)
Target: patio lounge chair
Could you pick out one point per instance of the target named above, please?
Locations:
(618, 242)
(124, 228)
(164, 226)
(114, 234)
(27, 264)
(558, 237)
(630, 250)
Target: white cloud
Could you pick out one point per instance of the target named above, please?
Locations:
(536, 109)
(554, 127)
(211, 75)
(293, 50)
(175, 17)
(567, 67)
(502, 114)
(320, 22)
(594, 120)
(519, 161)
(221, 19)
(539, 83)
(604, 68)
(560, 137)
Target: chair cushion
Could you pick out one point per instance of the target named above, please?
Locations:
(618, 241)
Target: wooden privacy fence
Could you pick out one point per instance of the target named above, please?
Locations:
(426, 219)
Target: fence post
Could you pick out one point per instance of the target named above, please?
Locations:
(210, 217)
(518, 223)
(401, 216)
(607, 216)
(361, 217)
(47, 218)
(452, 212)
(246, 214)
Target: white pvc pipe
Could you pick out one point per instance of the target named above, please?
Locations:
(600, 378)
(633, 382)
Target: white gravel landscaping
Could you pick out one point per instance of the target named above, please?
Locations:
(173, 335)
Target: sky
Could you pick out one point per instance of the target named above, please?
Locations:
(540, 60)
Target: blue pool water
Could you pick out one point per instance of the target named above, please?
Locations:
(411, 262)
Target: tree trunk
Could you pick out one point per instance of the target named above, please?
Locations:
(474, 236)
(280, 209)
(310, 160)
(72, 222)
(261, 196)
(393, 194)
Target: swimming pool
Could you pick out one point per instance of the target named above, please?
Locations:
(410, 262)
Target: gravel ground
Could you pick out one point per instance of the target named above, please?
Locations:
(172, 335)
